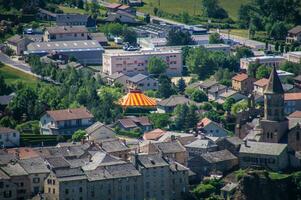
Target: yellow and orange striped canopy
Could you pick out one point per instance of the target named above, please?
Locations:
(135, 98)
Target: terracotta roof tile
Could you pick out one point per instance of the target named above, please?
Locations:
(6, 130)
(204, 122)
(154, 134)
(240, 77)
(24, 152)
(70, 114)
(292, 96)
(261, 82)
(296, 114)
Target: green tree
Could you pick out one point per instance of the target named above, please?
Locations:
(4, 88)
(156, 66)
(213, 10)
(277, 46)
(159, 120)
(179, 37)
(165, 89)
(263, 72)
(244, 52)
(278, 31)
(78, 135)
(199, 96)
(228, 104)
(7, 121)
(239, 106)
(129, 36)
(291, 67)
(215, 38)
(181, 85)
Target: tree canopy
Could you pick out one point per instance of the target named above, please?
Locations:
(156, 66)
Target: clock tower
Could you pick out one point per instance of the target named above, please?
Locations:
(274, 124)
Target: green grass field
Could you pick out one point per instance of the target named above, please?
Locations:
(193, 7)
(72, 10)
(12, 75)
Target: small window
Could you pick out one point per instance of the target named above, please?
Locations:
(297, 136)
(66, 191)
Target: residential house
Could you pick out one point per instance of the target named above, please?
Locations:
(65, 33)
(294, 35)
(233, 94)
(65, 122)
(292, 102)
(243, 83)
(215, 91)
(18, 44)
(200, 146)
(142, 82)
(183, 138)
(207, 85)
(211, 128)
(162, 179)
(272, 156)
(293, 56)
(46, 15)
(260, 85)
(212, 162)
(117, 79)
(135, 62)
(169, 104)
(121, 17)
(9, 192)
(70, 19)
(9, 137)
(262, 60)
(172, 150)
(131, 122)
(115, 147)
(154, 134)
(19, 177)
(99, 131)
(37, 173)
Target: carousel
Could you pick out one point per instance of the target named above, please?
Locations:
(136, 99)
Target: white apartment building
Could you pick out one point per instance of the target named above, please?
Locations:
(262, 60)
(294, 56)
(135, 62)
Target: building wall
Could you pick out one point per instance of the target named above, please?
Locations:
(146, 84)
(291, 106)
(10, 139)
(293, 57)
(73, 189)
(179, 184)
(275, 163)
(136, 63)
(102, 133)
(294, 139)
(193, 151)
(245, 86)
(23, 186)
(8, 190)
(245, 62)
(156, 182)
(259, 90)
(37, 182)
(51, 187)
(64, 36)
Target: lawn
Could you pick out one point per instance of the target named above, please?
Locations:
(66, 9)
(245, 33)
(193, 7)
(12, 75)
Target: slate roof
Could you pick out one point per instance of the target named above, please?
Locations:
(94, 127)
(132, 121)
(66, 29)
(175, 100)
(263, 148)
(16, 39)
(34, 165)
(58, 162)
(3, 176)
(170, 147)
(295, 30)
(71, 17)
(151, 160)
(218, 156)
(217, 88)
(208, 83)
(177, 167)
(113, 145)
(112, 172)
(201, 144)
(100, 37)
(234, 140)
(137, 78)
(274, 84)
(70, 114)
(14, 169)
(69, 173)
(116, 75)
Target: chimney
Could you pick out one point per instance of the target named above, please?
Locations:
(246, 143)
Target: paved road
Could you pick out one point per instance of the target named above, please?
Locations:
(16, 64)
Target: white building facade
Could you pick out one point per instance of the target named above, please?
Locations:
(133, 63)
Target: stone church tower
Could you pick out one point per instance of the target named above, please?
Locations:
(274, 124)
